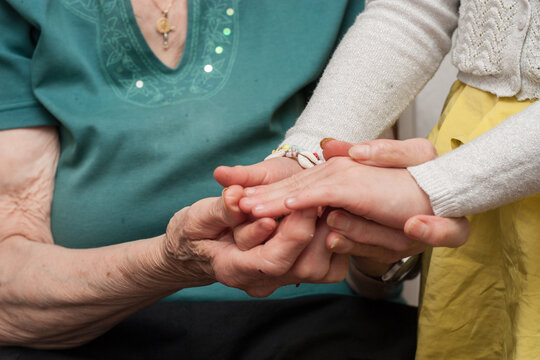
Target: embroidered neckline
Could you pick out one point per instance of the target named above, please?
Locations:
(137, 75)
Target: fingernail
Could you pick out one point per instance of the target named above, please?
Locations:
(290, 202)
(224, 190)
(258, 208)
(334, 242)
(360, 152)
(416, 229)
(249, 191)
(337, 221)
(324, 141)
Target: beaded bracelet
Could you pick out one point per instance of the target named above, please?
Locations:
(305, 158)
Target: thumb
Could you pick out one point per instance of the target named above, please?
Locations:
(241, 175)
(210, 217)
(438, 231)
(262, 173)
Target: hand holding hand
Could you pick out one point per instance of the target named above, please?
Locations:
(430, 230)
(388, 196)
(199, 241)
(376, 246)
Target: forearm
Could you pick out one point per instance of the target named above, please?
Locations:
(498, 167)
(53, 297)
(384, 60)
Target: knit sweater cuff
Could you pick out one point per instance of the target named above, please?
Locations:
(433, 181)
(309, 143)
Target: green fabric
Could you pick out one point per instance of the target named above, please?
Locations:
(133, 155)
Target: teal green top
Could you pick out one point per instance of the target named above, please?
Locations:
(140, 140)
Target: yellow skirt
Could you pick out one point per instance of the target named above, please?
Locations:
(482, 300)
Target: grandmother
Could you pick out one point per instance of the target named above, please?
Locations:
(111, 124)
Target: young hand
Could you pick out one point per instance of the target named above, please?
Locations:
(430, 230)
(388, 196)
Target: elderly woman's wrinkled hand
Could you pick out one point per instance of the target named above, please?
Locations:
(200, 239)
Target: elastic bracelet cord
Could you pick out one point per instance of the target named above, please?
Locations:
(305, 158)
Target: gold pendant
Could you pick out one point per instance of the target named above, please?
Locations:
(163, 26)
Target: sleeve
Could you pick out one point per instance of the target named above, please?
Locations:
(18, 105)
(384, 60)
(496, 168)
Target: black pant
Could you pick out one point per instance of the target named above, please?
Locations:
(314, 327)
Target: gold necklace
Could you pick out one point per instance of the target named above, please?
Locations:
(163, 25)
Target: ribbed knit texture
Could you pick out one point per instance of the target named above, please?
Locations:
(508, 158)
(389, 54)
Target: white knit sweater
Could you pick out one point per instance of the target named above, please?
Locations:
(389, 54)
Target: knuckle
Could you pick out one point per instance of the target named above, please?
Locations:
(274, 269)
(338, 162)
(300, 272)
(309, 273)
(175, 225)
(300, 236)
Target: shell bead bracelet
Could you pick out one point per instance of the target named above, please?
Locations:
(305, 158)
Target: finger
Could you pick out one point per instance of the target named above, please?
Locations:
(259, 265)
(334, 147)
(438, 231)
(363, 231)
(338, 269)
(393, 153)
(249, 235)
(319, 195)
(277, 256)
(235, 268)
(268, 201)
(314, 262)
(264, 172)
(342, 245)
(208, 218)
(240, 175)
(230, 211)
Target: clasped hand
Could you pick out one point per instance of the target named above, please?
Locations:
(375, 211)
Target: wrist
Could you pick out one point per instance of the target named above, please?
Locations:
(421, 197)
(396, 273)
(305, 159)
